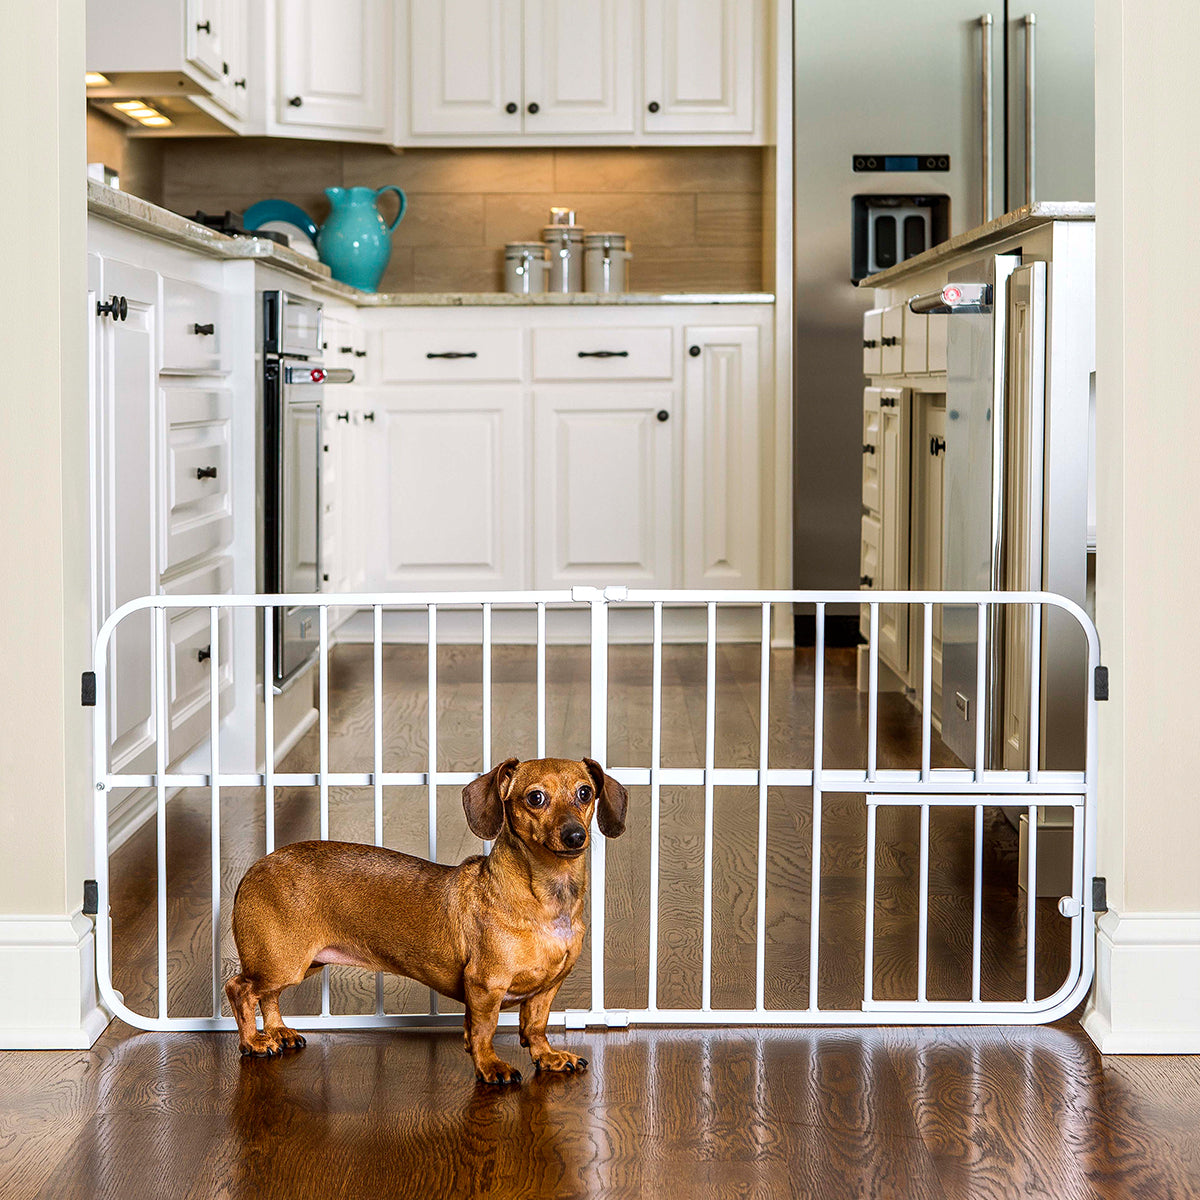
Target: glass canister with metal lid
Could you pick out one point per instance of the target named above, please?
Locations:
(604, 262)
(565, 244)
(525, 268)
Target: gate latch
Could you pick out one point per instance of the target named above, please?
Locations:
(1099, 894)
(1100, 684)
(91, 898)
(87, 689)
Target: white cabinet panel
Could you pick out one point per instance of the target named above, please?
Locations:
(916, 342)
(870, 449)
(872, 341)
(894, 522)
(203, 35)
(700, 65)
(892, 331)
(603, 492)
(193, 334)
(869, 575)
(929, 448)
(452, 486)
(465, 66)
(937, 343)
(579, 66)
(335, 65)
(721, 449)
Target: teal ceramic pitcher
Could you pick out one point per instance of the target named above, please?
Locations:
(355, 241)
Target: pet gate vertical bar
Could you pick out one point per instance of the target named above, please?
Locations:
(214, 787)
(981, 682)
(323, 714)
(599, 715)
(160, 777)
(923, 909)
(764, 704)
(926, 727)
(977, 908)
(541, 680)
(710, 739)
(1035, 690)
(1030, 901)
(926, 690)
(980, 721)
(655, 801)
(814, 937)
(487, 698)
(433, 741)
(873, 693)
(268, 613)
(869, 924)
(377, 780)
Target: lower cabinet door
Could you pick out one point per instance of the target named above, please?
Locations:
(894, 512)
(451, 466)
(603, 486)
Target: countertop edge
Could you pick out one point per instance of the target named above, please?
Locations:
(1027, 216)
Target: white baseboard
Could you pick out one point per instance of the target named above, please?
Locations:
(1146, 998)
(49, 1001)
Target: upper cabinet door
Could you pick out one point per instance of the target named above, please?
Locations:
(204, 36)
(579, 66)
(700, 65)
(465, 66)
(335, 65)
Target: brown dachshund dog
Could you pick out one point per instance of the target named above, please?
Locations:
(493, 932)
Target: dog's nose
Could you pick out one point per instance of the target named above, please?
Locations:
(573, 836)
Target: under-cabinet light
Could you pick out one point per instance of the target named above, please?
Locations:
(157, 119)
(95, 79)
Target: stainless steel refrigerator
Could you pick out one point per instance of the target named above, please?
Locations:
(881, 89)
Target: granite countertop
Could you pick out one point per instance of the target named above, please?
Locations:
(1020, 219)
(123, 208)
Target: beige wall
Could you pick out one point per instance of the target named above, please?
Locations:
(694, 215)
(138, 161)
(1148, 504)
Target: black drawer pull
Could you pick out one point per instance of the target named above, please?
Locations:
(694, 351)
(204, 27)
(937, 445)
(869, 343)
(206, 472)
(891, 341)
(202, 655)
(117, 308)
(296, 101)
(204, 330)
(868, 448)
(453, 354)
(360, 354)
(345, 349)
(344, 417)
(887, 402)
(866, 581)
(604, 354)
(369, 417)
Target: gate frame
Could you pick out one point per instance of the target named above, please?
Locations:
(925, 787)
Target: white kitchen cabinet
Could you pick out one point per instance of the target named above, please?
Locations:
(892, 332)
(872, 341)
(233, 88)
(721, 447)
(465, 72)
(702, 65)
(604, 505)
(334, 70)
(929, 462)
(894, 523)
(451, 481)
(124, 403)
(204, 35)
(579, 66)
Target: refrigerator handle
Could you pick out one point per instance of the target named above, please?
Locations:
(985, 26)
(1030, 108)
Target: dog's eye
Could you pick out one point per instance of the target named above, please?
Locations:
(584, 794)
(536, 799)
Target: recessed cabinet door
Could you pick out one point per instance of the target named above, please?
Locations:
(335, 65)
(203, 35)
(603, 488)
(453, 485)
(579, 66)
(894, 521)
(700, 65)
(126, 511)
(721, 457)
(465, 66)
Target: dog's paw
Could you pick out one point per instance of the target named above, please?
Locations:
(497, 1071)
(289, 1039)
(268, 1044)
(560, 1060)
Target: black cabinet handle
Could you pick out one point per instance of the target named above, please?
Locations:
(937, 445)
(534, 108)
(891, 341)
(452, 354)
(869, 343)
(202, 655)
(369, 417)
(866, 581)
(345, 349)
(344, 417)
(663, 415)
(239, 83)
(296, 101)
(887, 402)
(224, 68)
(360, 354)
(206, 472)
(604, 354)
(868, 448)
(117, 308)
(204, 27)
(510, 108)
(694, 351)
(653, 106)
(204, 330)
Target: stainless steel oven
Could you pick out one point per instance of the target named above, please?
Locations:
(293, 373)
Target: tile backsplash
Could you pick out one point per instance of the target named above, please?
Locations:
(694, 216)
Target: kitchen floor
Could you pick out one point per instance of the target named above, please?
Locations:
(661, 1112)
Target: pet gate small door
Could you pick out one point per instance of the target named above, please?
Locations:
(800, 851)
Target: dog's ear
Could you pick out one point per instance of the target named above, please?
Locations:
(483, 799)
(611, 800)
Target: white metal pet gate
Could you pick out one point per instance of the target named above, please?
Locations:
(926, 787)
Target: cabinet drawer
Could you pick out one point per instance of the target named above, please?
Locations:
(625, 353)
(196, 477)
(937, 343)
(872, 336)
(189, 656)
(916, 342)
(193, 339)
(892, 335)
(450, 355)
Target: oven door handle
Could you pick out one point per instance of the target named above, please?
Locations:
(301, 376)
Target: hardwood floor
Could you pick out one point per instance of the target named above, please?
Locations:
(827, 1112)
